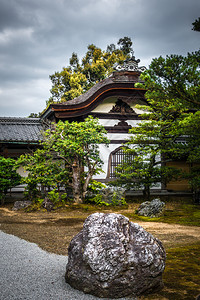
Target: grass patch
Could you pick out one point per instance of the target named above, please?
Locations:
(182, 274)
(174, 213)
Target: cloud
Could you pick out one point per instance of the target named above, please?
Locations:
(38, 37)
(14, 103)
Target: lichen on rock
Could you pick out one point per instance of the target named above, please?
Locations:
(151, 209)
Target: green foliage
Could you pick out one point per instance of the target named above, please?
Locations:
(175, 78)
(68, 157)
(173, 86)
(66, 85)
(171, 128)
(191, 129)
(98, 197)
(8, 176)
(44, 171)
(95, 186)
(77, 144)
(151, 145)
(55, 197)
(97, 200)
(95, 66)
(125, 45)
(34, 115)
(116, 201)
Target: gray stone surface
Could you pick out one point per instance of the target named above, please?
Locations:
(151, 209)
(113, 257)
(21, 204)
(112, 195)
(47, 204)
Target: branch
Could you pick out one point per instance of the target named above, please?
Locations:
(65, 159)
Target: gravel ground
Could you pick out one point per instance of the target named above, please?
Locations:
(28, 272)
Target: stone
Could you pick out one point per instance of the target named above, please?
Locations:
(112, 257)
(47, 204)
(151, 209)
(112, 195)
(21, 204)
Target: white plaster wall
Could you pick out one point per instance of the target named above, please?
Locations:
(133, 123)
(109, 102)
(104, 154)
(106, 106)
(109, 122)
(104, 150)
(22, 172)
(118, 136)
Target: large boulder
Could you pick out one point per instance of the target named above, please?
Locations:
(112, 257)
(151, 209)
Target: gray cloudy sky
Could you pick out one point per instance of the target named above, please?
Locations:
(37, 38)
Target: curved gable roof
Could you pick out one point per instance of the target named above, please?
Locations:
(119, 84)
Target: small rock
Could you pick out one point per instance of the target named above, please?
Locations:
(47, 204)
(151, 209)
(21, 204)
(113, 257)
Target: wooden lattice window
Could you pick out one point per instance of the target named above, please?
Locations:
(117, 157)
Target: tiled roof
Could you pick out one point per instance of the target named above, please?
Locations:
(119, 83)
(21, 130)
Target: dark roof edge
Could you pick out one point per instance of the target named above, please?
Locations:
(119, 77)
(19, 120)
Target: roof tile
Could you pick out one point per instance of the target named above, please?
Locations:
(20, 129)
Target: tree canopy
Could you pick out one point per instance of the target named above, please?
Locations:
(175, 78)
(196, 25)
(171, 127)
(79, 76)
(69, 157)
(151, 145)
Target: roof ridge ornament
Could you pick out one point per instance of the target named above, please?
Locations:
(130, 64)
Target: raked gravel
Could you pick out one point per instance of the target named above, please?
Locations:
(28, 272)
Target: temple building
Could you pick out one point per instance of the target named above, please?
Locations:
(113, 101)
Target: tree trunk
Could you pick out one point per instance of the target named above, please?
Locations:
(2, 199)
(197, 196)
(146, 192)
(85, 186)
(76, 182)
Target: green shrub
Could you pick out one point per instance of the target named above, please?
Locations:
(97, 200)
(8, 176)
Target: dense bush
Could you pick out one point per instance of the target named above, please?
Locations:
(8, 176)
